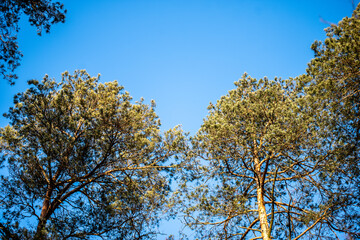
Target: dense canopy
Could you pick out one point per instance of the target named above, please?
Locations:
(83, 161)
(273, 159)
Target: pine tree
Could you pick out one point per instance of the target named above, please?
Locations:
(333, 83)
(83, 161)
(263, 165)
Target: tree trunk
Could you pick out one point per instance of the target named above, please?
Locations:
(262, 215)
(264, 225)
(44, 215)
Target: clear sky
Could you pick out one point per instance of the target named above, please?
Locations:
(181, 53)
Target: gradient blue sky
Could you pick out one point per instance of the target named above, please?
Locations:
(182, 53)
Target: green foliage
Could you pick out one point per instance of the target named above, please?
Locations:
(335, 68)
(274, 158)
(333, 83)
(289, 146)
(83, 161)
(42, 14)
(261, 145)
(333, 78)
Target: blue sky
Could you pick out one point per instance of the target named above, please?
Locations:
(181, 53)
